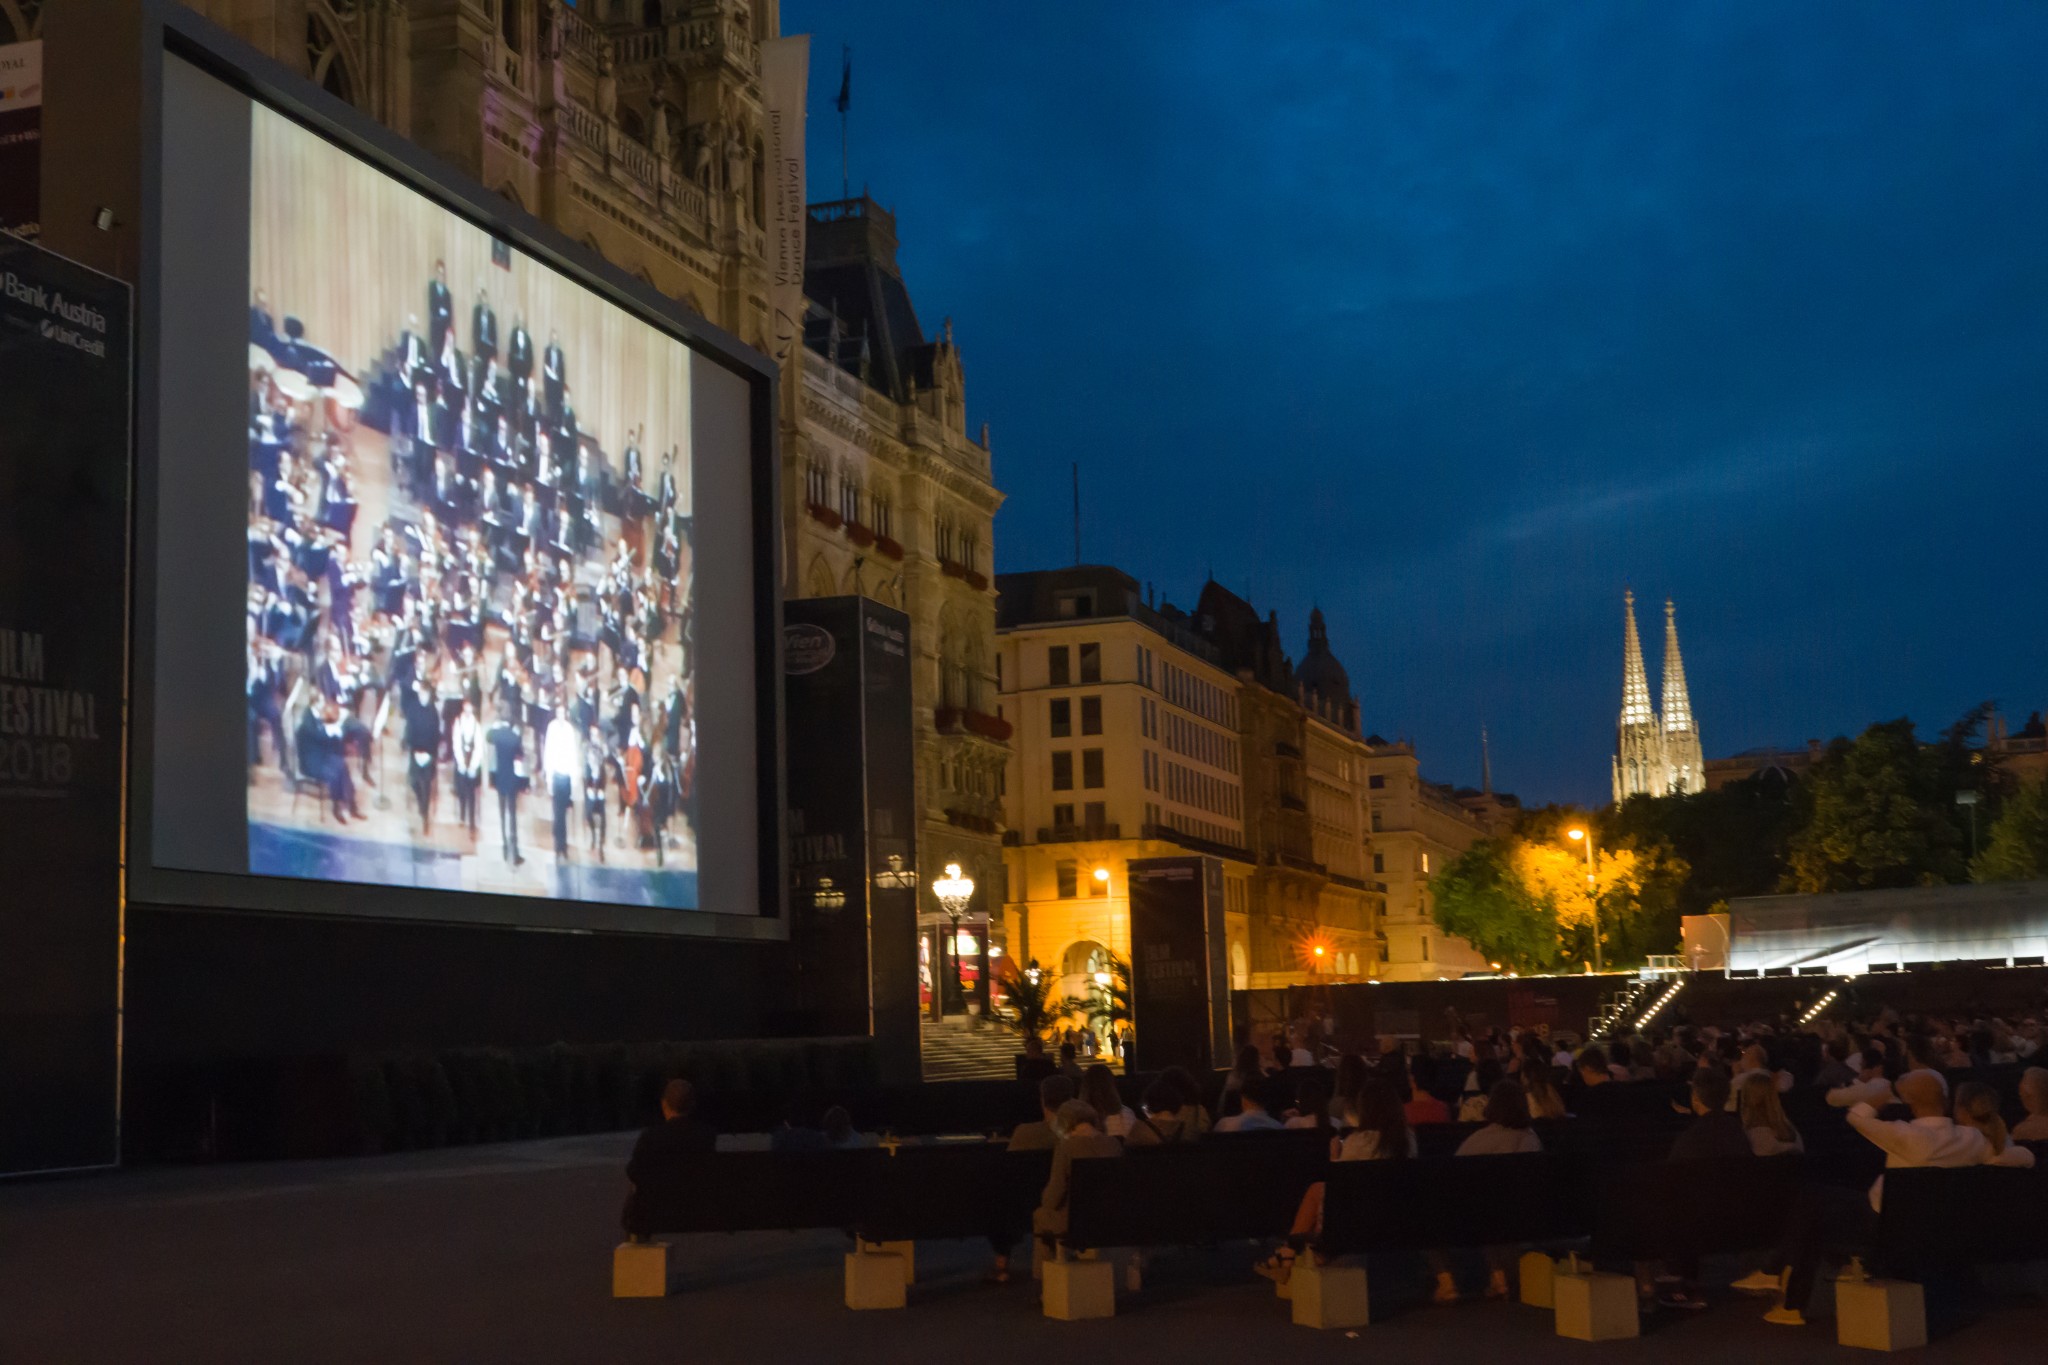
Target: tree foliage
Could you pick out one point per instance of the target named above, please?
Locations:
(1878, 811)
(2018, 847)
(1525, 901)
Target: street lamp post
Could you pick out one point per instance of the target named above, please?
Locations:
(1581, 836)
(955, 891)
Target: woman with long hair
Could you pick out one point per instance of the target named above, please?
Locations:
(1763, 1116)
(1977, 1107)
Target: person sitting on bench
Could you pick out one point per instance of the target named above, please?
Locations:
(1763, 1118)
(677, 1137)
(1257, 1103)
(1507, 1132)
(1827, 1216)
(1035, 1135)
(1098, 1087)
(1168, 1118)
(1872, 1085)
(2034, 1098)
(1082, 1139)
(1382, 1134)
(1977, 1107)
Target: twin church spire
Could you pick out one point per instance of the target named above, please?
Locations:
(1655, 755)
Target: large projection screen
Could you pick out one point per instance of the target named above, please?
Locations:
(455, 566)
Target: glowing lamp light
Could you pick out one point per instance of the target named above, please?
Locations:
(1102, 875)
(1575, 833)
(954, 890)
(1102, 978)
(1319, 950)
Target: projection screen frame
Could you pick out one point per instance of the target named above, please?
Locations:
(172, 32)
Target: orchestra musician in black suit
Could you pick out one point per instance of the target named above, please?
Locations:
(422, 748)
(554, 374)
(483, 328)
(519, 359)
(440, 309)
(507, 748)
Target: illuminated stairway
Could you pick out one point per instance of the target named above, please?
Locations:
(964, 1054)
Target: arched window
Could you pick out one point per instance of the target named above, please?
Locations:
(327, 59)
(818, 583)
(20, 20)
(1240, 968)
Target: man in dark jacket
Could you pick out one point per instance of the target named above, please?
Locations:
(666, 1146)
(1715, 1132)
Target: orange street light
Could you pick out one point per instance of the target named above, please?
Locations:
(1581, 836)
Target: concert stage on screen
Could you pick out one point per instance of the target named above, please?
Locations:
(470, 591)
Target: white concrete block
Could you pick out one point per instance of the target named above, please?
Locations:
(1593, 1305)
(1538, 1274)
(1074, 1290)
(1882, 1315)
(875, 1280)
(907, 1250)
(640, 1270)
(1327, 1296)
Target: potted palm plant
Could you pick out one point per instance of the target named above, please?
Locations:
(1029, 1005)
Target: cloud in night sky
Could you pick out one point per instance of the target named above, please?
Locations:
(1454, 320)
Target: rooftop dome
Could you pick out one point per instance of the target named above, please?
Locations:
(1322, 677)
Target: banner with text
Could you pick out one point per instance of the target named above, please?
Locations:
(21, 138)
(64, 369)
(785, 71)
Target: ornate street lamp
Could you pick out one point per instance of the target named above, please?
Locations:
(955, 891)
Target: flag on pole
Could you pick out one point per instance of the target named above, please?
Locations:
(845, 100)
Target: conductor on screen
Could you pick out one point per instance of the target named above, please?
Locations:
(450, 578)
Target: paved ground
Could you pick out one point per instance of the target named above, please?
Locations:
(502, 1254)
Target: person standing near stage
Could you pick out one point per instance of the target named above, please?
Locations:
(440, 310)
(562, 762)
(466, 749)
(508, 776)
(422, 747)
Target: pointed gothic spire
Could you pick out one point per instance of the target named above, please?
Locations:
(1635, 679)
(1638, 740)
(1685, 769)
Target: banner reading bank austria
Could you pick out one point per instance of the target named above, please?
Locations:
(64, 350)
(785, 70)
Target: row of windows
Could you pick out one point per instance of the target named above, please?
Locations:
(852, 503)
(1200, 743)
(1192, 788)
(954, 542)
(1063, 769)
(1202, 829)
(1205, 699)
(1379, 862)
(1060, 660)
(1094, 815)
(1068, 875)
(1060, 716)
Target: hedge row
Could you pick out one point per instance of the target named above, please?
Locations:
(255, 1108)
(434, 1099)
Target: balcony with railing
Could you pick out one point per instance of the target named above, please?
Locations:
(1079, 834)
(956, 720)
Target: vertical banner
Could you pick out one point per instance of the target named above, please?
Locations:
(852, 809)
(1177, 962)
(21, 138)
(64, 442)
(785, 72)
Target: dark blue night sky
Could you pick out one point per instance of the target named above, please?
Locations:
(1456, 319)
